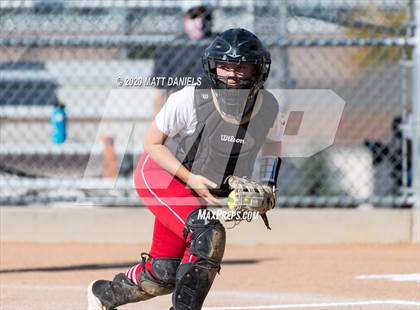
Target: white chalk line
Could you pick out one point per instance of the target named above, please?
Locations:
(322, 305)
(409, 277)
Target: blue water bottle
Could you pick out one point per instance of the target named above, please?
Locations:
(59, 123)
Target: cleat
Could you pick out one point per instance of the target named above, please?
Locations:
(108, 295)
(93, 302)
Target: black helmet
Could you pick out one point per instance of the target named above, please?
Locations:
(237, 46)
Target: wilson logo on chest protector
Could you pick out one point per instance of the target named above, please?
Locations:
(232, 139)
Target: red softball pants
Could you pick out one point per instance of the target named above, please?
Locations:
(170, 201)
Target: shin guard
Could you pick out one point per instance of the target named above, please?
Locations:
(207, 243)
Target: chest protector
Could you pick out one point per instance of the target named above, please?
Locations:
(218, 148)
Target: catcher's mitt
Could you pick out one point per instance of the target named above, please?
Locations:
(252, 196)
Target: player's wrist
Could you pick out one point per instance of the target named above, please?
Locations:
(184, 174)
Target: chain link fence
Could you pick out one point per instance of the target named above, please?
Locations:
(76, 53)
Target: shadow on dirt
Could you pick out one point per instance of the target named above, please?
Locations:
(83, 267)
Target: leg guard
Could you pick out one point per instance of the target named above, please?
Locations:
(207, 242)
(122, 290)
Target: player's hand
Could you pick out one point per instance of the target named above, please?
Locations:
(201, 185)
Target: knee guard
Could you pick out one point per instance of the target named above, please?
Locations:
(207, 242)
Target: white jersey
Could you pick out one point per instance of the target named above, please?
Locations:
(178, 117)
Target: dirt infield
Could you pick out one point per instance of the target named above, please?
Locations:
(55, 276)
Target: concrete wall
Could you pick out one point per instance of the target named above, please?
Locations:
(415, 228)
(134, 225)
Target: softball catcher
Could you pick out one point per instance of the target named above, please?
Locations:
(220, 127)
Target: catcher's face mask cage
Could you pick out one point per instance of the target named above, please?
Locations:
(237, 46)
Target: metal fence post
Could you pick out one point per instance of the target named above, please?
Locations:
(283, 32)
(416, 109)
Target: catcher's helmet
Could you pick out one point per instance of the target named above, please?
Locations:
(237, 46)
